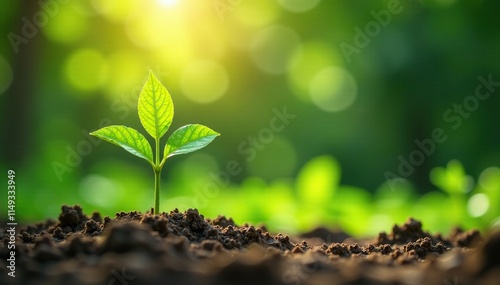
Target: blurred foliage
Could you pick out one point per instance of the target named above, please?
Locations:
(65, 66)
(317, 198)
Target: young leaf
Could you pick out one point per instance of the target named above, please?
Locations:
(188, 139)
(127, 138)
(155, 107)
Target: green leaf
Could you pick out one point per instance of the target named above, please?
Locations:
(127, 138)
(188, 139)
(155, 107)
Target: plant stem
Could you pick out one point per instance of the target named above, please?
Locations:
(157, 169)
(157, 190)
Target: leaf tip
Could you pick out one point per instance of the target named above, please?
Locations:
(152, 75)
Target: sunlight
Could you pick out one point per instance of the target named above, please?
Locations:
(168, 3)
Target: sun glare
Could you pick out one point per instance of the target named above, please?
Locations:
(168, 3)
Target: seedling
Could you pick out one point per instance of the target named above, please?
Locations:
(156, 112)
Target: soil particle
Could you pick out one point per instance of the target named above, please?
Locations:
(423, 246)
(465, 238)
(92, 228)
(58, 234)
(339, 249)
(410, 231)
(222, 221)
(185, 248)
(72, 219)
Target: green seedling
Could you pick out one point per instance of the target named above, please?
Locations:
(156, 112)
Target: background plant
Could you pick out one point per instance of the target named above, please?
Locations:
(317, 198)
(156, 112)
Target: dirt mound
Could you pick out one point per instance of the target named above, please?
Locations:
(186, 248)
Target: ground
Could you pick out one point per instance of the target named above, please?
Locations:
(185, 248)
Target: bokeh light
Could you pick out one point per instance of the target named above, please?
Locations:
(99, 190)
(86, 69)
(333, 89)
(143, 31)
(68, 24)
(204, 81)
(6, 72)
(307, 60)
(168, 3)
(478, 205)
(126, 72)
(490, 179)
(257, 13)
(298, 6)
(272, 49)
(115, 10)
(151, 31)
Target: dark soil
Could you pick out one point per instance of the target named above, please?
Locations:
(185, 248)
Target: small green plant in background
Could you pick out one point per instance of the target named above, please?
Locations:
(316, 197)
(156, 112)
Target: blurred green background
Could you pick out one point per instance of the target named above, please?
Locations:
(362, 80)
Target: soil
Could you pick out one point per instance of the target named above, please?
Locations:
(185, 248)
